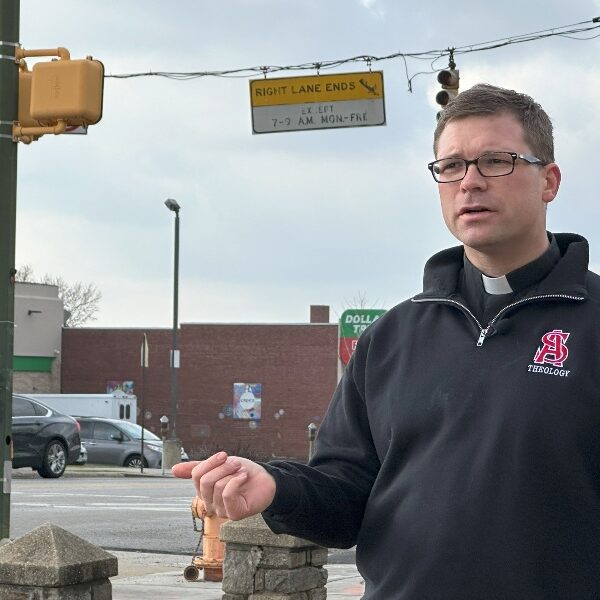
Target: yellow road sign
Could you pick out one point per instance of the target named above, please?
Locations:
(317, 88)
(317, 102)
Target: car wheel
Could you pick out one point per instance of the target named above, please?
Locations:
(54, 461)
(135, 461)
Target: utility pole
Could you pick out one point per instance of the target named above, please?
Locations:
(9, 84)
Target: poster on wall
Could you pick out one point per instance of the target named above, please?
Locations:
(119, 387)
(247, 398)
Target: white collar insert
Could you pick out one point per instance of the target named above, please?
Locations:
(496, 285)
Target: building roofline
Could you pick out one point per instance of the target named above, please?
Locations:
(201, 324)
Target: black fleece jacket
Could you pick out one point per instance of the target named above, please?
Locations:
(463, 458)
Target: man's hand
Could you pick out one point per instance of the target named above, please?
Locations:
(230, 486)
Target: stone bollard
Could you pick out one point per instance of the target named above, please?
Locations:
(261, 565)
(50, 563)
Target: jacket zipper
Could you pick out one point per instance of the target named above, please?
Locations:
(484, 330)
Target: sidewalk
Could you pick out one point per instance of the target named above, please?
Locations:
(160, 577)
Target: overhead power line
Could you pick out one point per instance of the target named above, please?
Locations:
(582, 31)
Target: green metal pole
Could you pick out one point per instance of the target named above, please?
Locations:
(175, 365)
(9, 90)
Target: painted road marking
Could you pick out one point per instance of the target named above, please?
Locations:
(104, 506)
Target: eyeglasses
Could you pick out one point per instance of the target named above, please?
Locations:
(490, 164)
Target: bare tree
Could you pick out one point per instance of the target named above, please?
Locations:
(25, 274)
(81, 300)
(360, 300)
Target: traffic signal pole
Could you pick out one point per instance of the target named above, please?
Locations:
(9, 89)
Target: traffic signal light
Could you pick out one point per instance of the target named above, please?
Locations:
(58, 94)
(449, 78)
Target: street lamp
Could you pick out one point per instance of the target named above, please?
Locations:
(172, 452)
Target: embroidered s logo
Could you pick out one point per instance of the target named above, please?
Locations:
(553, 350)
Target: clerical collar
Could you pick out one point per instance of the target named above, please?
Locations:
(517, 280)
(496, 285)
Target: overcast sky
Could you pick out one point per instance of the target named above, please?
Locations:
(273, 223)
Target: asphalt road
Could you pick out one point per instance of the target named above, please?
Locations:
(121, 513)
(117, 513)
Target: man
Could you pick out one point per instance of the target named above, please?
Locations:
(461, 450)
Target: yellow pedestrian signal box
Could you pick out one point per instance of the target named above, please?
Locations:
(58, 94)
(67, 89)
(24, 110)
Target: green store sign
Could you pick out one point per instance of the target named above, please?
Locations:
(352, 323)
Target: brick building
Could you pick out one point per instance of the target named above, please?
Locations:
(296, 365)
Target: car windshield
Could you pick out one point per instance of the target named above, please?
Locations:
(135, 431)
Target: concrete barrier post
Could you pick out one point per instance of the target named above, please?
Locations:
(261, 565)
(50, 563)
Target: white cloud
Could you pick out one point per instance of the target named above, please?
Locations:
(373, 7)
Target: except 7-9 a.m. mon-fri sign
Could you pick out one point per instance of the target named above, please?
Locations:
(317, 102)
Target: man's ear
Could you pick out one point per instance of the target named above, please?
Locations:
(551, 182)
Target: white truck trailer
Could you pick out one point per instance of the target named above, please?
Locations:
(113, 406)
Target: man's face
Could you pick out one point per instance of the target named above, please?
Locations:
(495, 216)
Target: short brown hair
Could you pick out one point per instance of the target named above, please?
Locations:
(485, 99)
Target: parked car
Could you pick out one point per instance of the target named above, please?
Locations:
(82, 456)
(43, 438)
(117, 442)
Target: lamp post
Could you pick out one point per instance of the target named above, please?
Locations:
(172, 453)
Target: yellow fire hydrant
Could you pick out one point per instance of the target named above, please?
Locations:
(213, 549)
